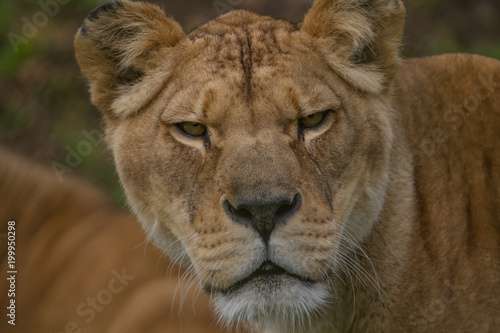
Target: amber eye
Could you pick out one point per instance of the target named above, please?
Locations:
(312, 120)
(193, 129)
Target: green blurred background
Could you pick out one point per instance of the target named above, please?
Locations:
(44, 103)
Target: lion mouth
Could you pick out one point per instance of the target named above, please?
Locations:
(267, 273)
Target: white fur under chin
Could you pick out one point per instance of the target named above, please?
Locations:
(288, 305)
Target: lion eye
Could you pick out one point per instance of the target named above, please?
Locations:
(193, 129)
(312, 120)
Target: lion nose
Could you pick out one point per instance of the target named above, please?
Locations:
(263, 216)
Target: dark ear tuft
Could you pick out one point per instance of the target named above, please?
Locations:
(130, 76)
(118, 46)
(366, 55)
(109, 6)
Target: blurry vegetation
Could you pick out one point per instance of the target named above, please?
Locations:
(44, 103)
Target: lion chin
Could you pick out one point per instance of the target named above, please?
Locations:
(272, 298)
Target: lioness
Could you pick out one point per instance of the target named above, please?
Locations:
(311, 179)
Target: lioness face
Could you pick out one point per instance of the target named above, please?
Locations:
(251, 159)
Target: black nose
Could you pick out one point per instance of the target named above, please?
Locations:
(263, 216)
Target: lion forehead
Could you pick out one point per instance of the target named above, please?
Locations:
(243, 40)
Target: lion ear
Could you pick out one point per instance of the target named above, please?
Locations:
(118, 47)
(362, 37)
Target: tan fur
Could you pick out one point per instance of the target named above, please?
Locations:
(398, 224)
(69, 241)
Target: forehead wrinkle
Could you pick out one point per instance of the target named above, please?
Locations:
(178, 106)
(255, 38)
(318, 99)
(204, 102)
(292, 100)
(243, 43)
(317, 94)
(246, 61)
(189, 104)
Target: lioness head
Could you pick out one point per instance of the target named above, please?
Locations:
(253, 150)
